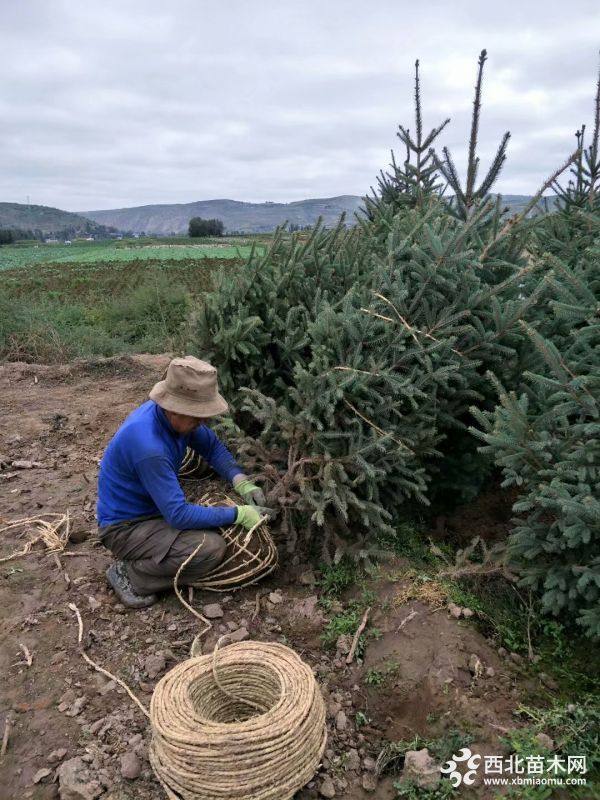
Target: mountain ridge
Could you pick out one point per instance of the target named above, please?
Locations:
(237, 215)
(47, 220)
(166, 218)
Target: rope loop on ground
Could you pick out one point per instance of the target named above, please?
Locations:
(246, 722)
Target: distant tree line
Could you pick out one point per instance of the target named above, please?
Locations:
(9, 235)
(205, 227)
(6, 236)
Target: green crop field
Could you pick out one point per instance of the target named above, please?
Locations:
(173, 249)
(61, 301)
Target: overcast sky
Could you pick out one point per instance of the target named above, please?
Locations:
(128, 102)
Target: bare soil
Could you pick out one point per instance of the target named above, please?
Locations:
(62, 418)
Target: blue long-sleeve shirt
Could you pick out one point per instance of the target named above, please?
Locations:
(138, 472)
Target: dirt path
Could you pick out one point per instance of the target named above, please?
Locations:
(62, 418)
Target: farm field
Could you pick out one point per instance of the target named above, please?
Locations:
(104, 298)
(171, 249)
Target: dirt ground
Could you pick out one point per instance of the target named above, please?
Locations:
(60, 418)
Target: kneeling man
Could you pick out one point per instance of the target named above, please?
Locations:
(143, 517)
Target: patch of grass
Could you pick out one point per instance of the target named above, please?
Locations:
(574, 727)
(408, 541)
(575, 731)
(503, 613)
(147, 318)
(391, 758)
(344, 623)
(56, 312)
(377, 677)
(336, 578)
(418, 586)
(374, 677)
(410, 791)
(463, 597)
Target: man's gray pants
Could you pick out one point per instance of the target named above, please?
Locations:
(154, 551)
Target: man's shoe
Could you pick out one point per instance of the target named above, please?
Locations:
(118, 578)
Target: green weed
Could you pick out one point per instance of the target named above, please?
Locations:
(344, 623)
(410, 791)
(336, 578)
(374, 677)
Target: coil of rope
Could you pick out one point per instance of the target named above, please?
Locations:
(247, 721)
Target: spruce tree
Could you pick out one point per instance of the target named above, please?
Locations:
(352, 358)
(467, 199)
(545, 433)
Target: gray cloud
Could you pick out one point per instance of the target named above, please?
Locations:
(125, 102)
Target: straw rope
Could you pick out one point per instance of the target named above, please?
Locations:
(53, 532)
(192, 466)
(246, 722)
(249, 556)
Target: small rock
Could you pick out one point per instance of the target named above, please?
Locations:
(548, 682)
(306, 607)
(467, 613)
(352, 760)
(420, 768)
(307, 578)
(475, 666)
(95, 726)
(108, 687)
(77, 707)
(502, 652)
(172, 627)
(490, 672)
(239, 635)
(455, 611)
(154, 664)
(516, 658)
(66, 699)
(93, 603)
(343, 644)
(369, 764)
(57, 755)
(333, 707)
(212, 611)
(130, 766)
(327, 789)
(41, 774)
(23, 464)
(275, 598)
(341, 722)
(544, 741)
(369, 782)
(76, 781)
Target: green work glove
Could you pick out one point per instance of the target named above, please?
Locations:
(249, 491)
(249, 516)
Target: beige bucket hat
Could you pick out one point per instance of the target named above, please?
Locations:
(189, 386)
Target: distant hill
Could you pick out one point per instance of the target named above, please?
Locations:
(244, 217)
(47, 221)
(174, 218)
(236, 216)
